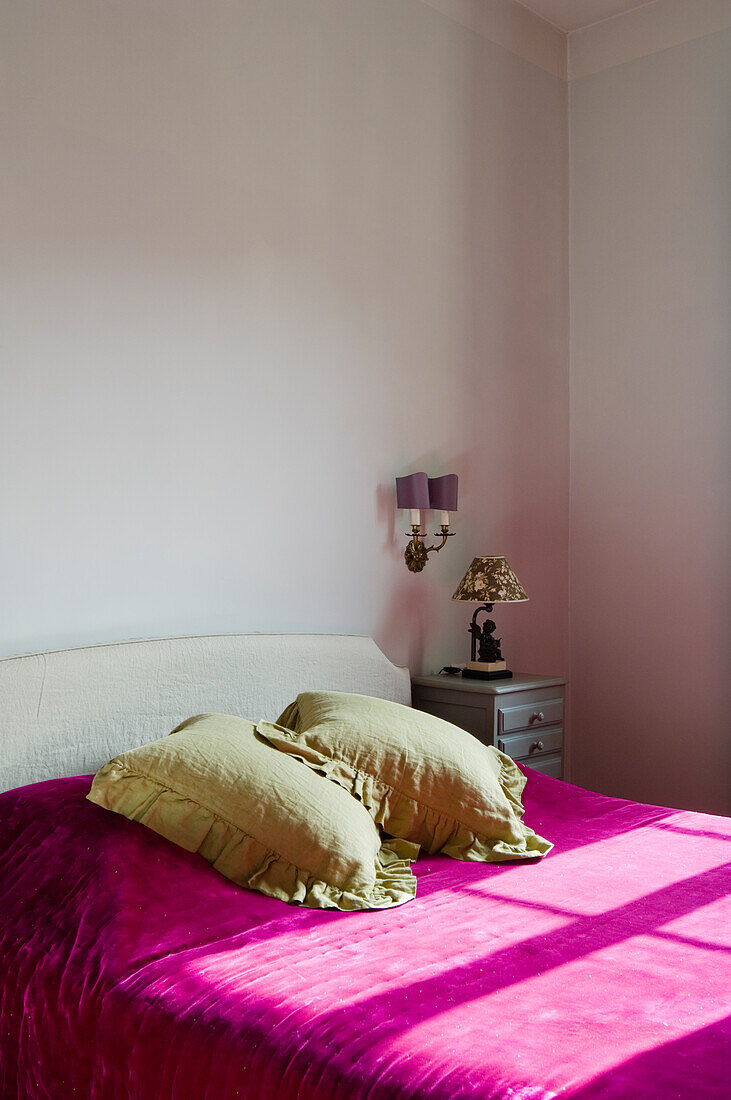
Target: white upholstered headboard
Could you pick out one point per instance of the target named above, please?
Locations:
(68, 712)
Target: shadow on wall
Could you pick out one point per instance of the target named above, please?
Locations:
(386, 517)
(407, 622)
(407, 610)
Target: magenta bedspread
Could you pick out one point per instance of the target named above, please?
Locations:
(130, 969)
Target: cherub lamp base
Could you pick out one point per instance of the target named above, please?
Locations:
(476, 670)
(490, 665)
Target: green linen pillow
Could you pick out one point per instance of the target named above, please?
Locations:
(419, 777)
(260, 817)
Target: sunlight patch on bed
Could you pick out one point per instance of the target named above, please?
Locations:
(576, 1007)
(578, 881)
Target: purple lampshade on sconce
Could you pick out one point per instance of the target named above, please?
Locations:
(412, 492)
(443, 494)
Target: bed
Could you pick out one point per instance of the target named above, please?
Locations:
(129, 968)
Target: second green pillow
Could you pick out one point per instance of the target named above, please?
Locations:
(421, 778)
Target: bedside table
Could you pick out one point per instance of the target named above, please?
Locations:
(522, 717)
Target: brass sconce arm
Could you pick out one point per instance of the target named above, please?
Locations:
(417, 553)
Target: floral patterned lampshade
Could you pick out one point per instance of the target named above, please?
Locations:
(490, 580)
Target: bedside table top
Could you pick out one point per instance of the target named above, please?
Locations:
(521, 681)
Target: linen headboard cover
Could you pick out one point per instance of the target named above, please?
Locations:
(68, 712)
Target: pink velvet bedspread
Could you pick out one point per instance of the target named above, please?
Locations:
(130, 969)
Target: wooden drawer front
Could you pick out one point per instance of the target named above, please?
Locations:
(472, 719)
(549, 765)
(530, 716)
(534, 744)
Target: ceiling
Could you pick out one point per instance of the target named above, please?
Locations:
(569, 15)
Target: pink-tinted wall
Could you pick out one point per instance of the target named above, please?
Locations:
(650, 549)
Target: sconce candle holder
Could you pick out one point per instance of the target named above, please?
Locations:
(416, 552)
(416, 492)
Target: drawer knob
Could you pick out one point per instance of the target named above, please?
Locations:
(537, 746)
(537, 716)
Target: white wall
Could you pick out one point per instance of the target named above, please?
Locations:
(650, 420)
(258, 259)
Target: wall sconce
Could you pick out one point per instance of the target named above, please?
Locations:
(415, 493)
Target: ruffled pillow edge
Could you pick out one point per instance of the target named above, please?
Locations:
(239, 856)
(396, 812)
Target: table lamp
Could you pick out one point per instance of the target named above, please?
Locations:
(488, 581)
